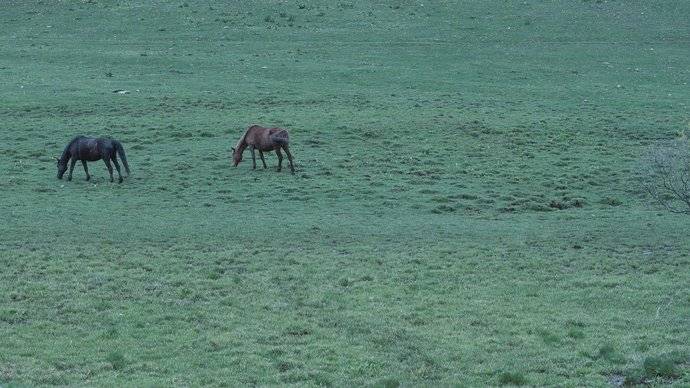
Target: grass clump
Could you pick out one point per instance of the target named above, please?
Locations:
(661, 366)
(386, 383)
(512, 378)
(664, 367)
(609, 353)
(611, 201)
(117, 360)
(575, 333)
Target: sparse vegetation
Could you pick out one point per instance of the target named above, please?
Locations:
(667, 175)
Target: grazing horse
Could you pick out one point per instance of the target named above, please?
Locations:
(91, 149)
(263, 139)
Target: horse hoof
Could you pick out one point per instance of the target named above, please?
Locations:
(119, 180)
(69, 178)
(88, 178)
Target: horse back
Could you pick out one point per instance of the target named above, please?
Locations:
(89, 148)
(265, 138)
(279, 136)
(277, 132)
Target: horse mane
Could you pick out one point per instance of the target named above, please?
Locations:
(66, 153)
(241, 143)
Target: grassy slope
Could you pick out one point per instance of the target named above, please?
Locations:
(417, 241)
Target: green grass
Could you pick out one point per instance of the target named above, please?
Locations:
(466, 210)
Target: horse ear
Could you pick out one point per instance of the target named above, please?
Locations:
(233, 149)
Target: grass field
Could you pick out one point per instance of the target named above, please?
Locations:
(466, 208)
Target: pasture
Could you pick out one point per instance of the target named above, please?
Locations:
(466, 207)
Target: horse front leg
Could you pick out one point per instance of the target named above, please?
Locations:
(71, 168)
(253, 158)
(86, 170)
(261, 155)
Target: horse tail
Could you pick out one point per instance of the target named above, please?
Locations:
(281, 137)
(121, 152)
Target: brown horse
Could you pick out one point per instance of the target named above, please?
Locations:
(263, 139)
(92, 149)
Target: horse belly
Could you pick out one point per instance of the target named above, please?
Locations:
(264, 147)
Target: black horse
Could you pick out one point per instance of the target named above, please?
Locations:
(91, 149)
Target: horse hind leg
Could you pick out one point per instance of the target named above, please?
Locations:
(253, 158)
(289, 155)
(86, 170)
(110, 168)
(280, 159)
(117, 167)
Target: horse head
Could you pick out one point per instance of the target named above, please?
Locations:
(236, 156)
(62, 167)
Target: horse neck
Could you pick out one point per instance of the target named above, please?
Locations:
(242, 143)
(66, 153)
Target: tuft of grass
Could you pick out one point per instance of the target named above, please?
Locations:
(386, 383)
(117, 360)
(440, 209)
(606, 351)
(609, 353)
(512, 378)
(284, 366)
(298, 331)
(548, 337)
(611, 201)
(660, 366)
(575, 333)
(665, 365)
